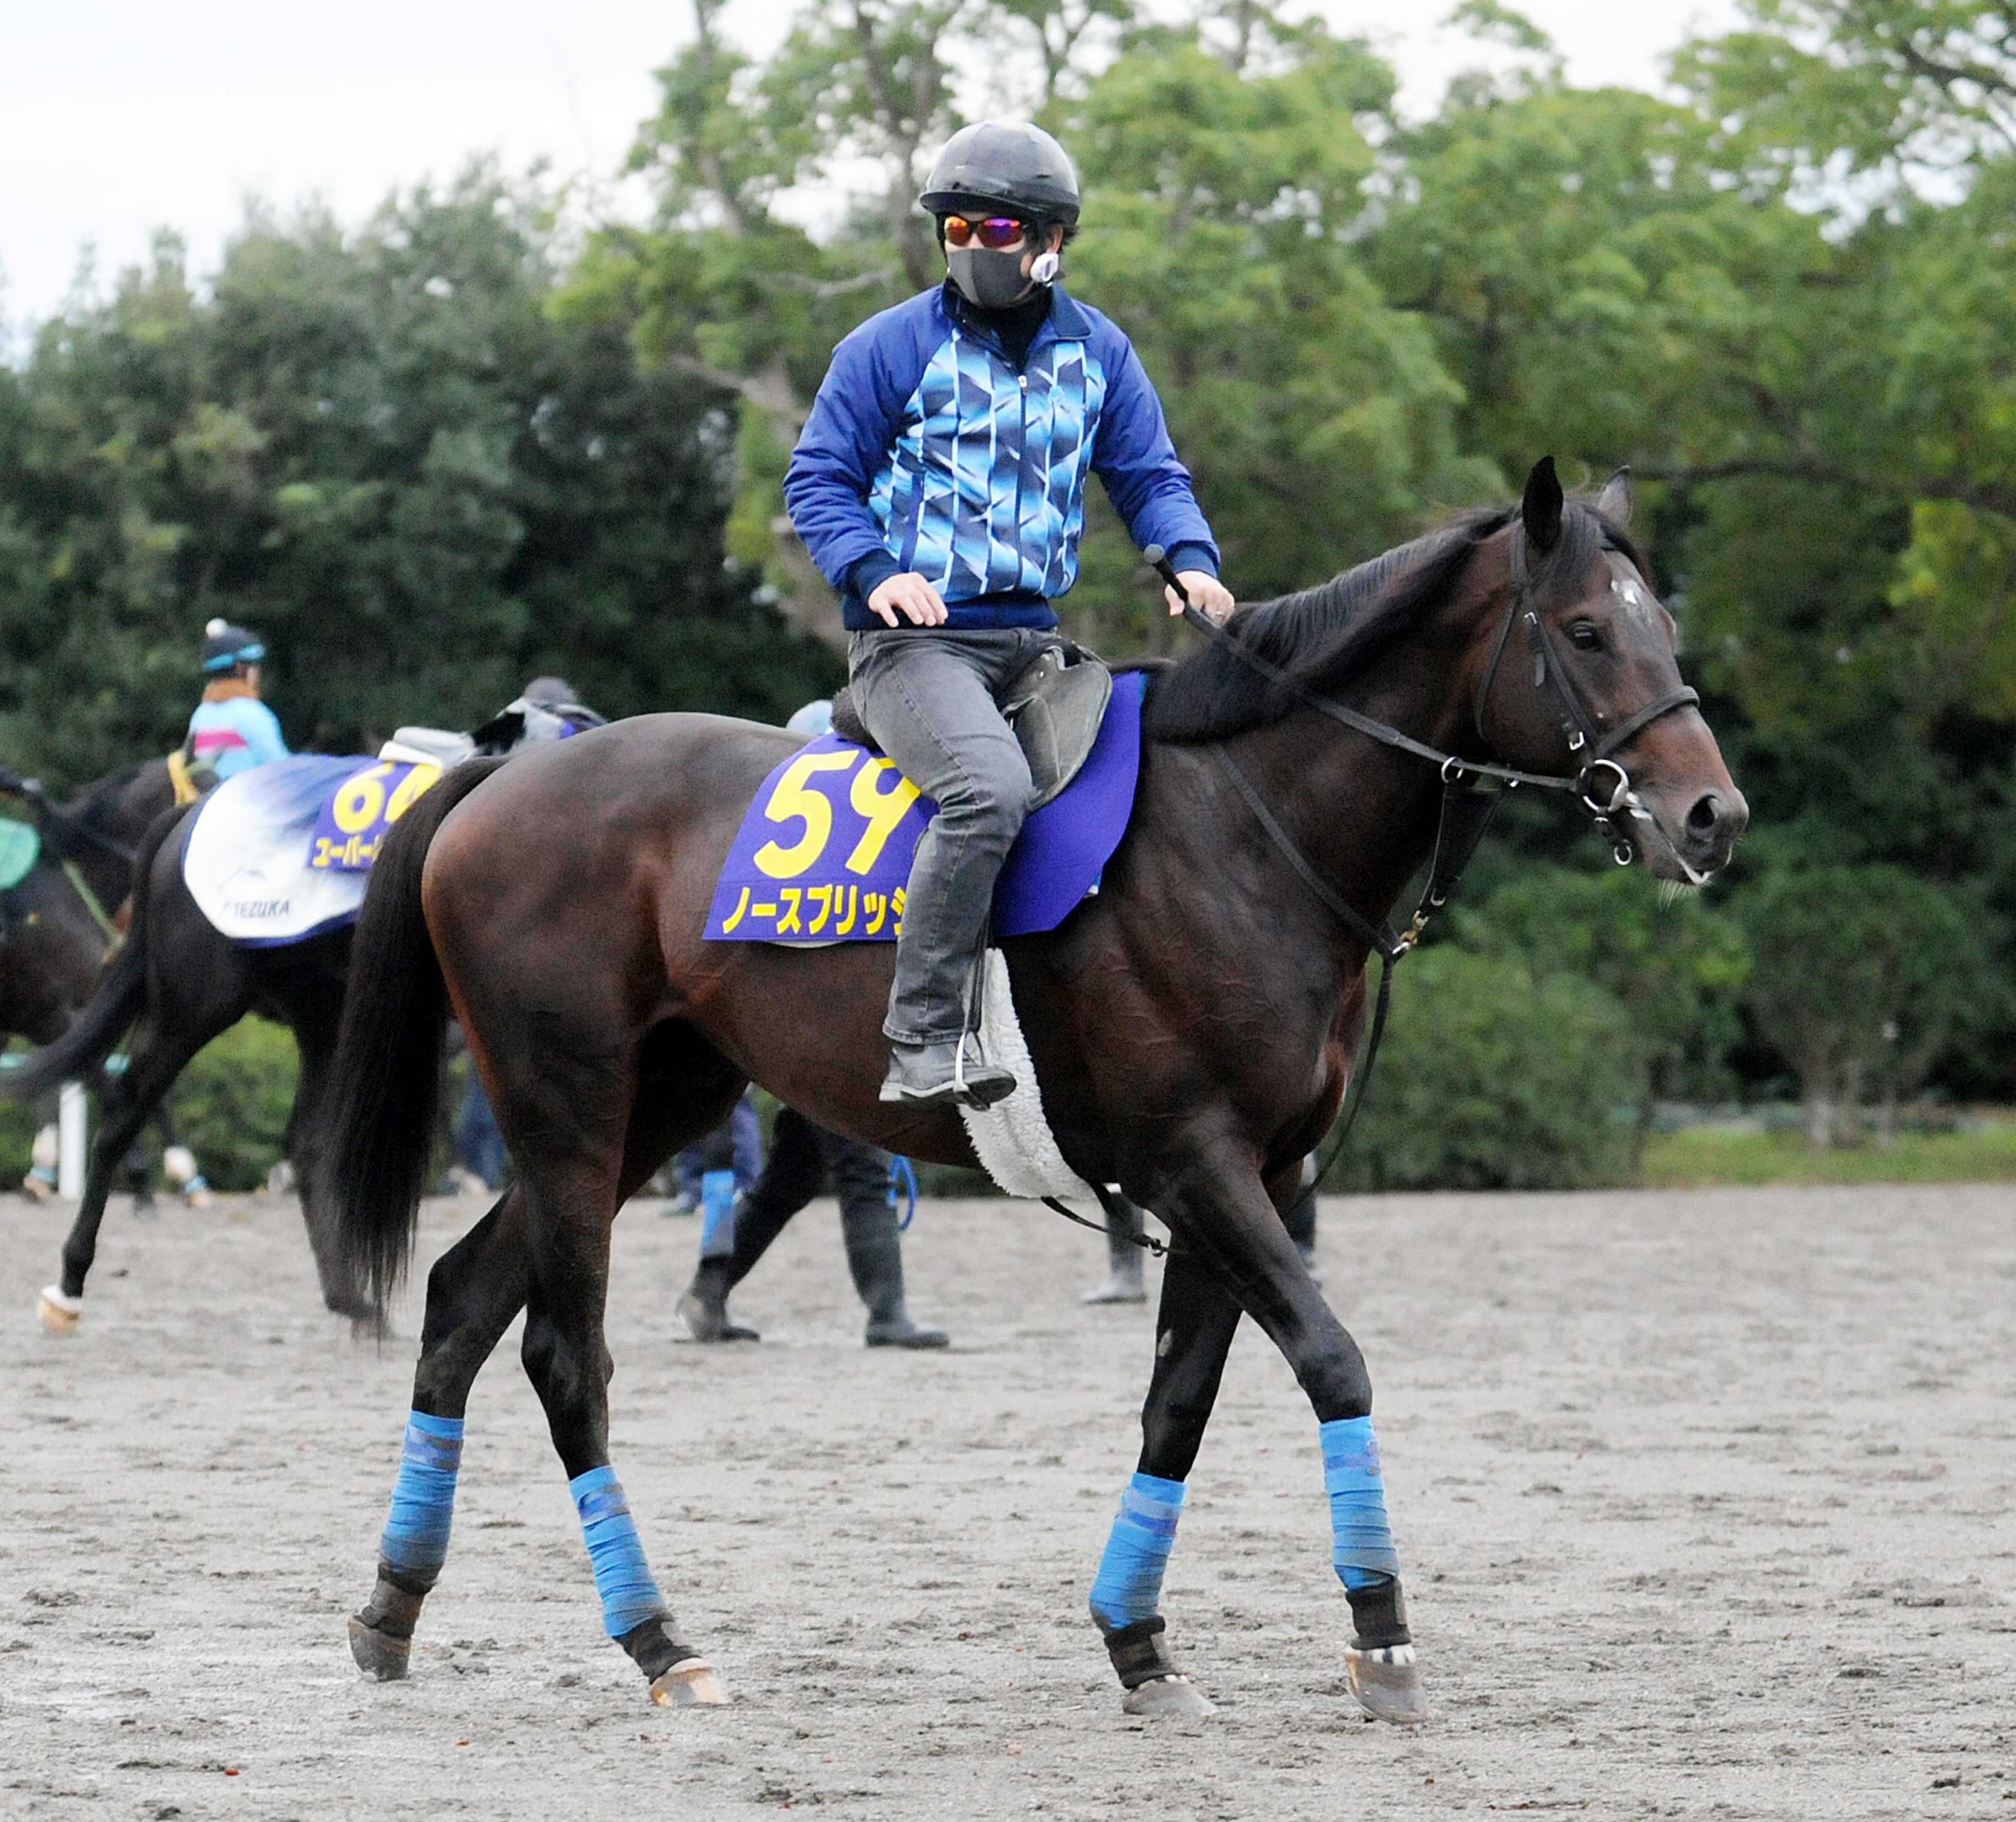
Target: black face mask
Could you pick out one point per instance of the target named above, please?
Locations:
(990, 280)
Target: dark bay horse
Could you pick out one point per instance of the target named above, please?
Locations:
(1192, 1026)
(184, 983)
(51, 941)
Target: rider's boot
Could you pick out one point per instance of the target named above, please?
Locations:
(951, 1074)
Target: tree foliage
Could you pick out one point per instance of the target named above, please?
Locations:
(430, 455)
(386, 452)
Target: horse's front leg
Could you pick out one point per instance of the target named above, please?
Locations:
(1215, 1204)
(1194, 1331)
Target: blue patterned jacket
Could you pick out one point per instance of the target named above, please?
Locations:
(927, 450)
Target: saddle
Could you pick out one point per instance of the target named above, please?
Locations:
(1055, 703)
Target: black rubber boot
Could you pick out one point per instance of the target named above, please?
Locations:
(704, 1309)
(1124, 1282)
(875, 1257)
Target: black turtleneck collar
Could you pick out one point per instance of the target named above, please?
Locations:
(1015, 328)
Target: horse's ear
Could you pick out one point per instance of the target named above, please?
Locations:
(1541, 508)
(1615, 502)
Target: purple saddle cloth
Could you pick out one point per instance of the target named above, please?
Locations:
(824, 853)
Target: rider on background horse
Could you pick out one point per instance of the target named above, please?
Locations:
(232, 730)
(940, 481)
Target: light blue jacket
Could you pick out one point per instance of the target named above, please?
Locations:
(234, 735)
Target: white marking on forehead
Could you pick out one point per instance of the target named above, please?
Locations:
(1639, 601)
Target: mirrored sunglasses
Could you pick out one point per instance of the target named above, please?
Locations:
(996, 231)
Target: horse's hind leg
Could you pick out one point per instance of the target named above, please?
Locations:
(161, 1056)
(474, 1292)
(1194, 1331)
(576, 1164)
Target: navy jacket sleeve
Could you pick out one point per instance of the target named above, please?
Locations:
(848, 437)
(1150, 488)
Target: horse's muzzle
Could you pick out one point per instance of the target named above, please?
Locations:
(1714, 820)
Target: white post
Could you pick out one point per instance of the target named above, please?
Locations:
(70, 1141)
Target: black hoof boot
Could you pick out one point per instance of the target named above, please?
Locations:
(381, 1637)
(1379, 1664)
(679, 1676)
(1156, 1689)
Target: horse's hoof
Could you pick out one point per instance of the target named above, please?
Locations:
(377, 1654)
(690, 1684)
(1387, 1684)
(59, 1313)
(1168, 1698)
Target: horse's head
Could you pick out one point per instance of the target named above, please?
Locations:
(1579, 678)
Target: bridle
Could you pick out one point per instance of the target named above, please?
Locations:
(1466, 811)
(1585, 737)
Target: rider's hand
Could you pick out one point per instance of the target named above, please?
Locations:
(909, 594)
(1209, 595)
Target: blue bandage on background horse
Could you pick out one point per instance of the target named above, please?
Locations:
(622, 1577)
(1363, 1552)
(1128, 1585)
(415, 1540)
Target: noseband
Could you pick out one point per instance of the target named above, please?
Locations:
(1585, 736)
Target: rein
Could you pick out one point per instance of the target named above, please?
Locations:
(1466, 813)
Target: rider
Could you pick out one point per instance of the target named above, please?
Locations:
(940, 482)
(232, 730)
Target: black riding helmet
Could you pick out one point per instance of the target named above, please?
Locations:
(1002, 168)
(225, 647)
(1008, 167)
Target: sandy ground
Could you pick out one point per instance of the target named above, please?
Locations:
(1706, 1499)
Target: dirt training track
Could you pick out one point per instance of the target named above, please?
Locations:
(1705, 1501)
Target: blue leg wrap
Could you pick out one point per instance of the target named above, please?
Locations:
(1364, 1553)
(1128, 1585)
(415, 1540)
(717, 1202)
(622, 1577)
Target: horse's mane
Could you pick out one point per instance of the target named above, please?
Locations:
(94, 807)
(1323, 636)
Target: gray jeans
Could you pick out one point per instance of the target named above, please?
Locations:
(927, 695)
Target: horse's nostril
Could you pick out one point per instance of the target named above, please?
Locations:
(1705, 814)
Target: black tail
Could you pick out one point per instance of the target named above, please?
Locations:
(115, 1002)
(384, 1088)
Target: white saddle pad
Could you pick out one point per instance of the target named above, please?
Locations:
(1012, 1138)
(246, 861)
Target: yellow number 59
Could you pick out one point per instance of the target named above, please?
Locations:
(795, 797)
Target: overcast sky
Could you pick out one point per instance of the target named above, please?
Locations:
(118, 116)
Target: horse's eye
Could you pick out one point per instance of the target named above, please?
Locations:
(1584, 637)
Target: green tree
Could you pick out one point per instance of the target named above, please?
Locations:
(387, 451)
(1677, 966)
(1860, 975)
(1493, 1078)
